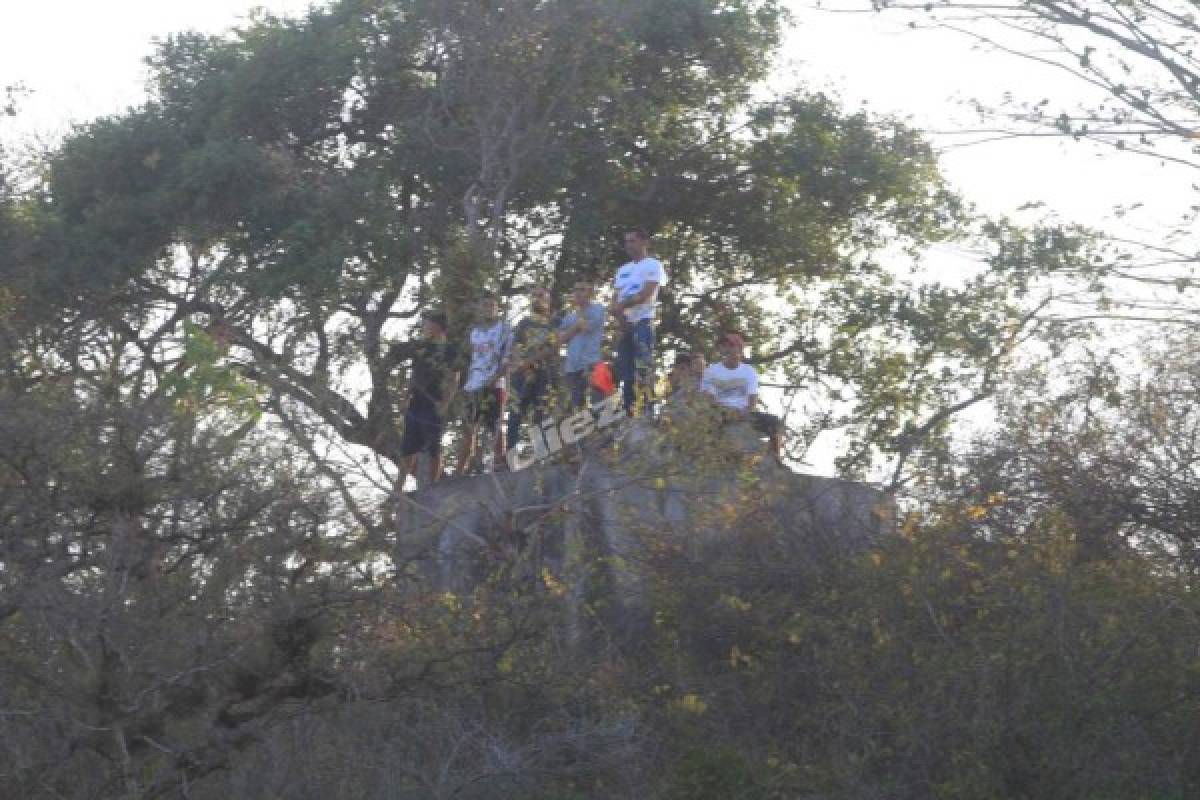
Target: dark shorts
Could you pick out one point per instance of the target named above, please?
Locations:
(530, 387)
(765, 423)
(760, 421)
(530, 392)
(485, 405)
(422, 429)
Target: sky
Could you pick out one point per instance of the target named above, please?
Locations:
(926, 76)
(83, 59)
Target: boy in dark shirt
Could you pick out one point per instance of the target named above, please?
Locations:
(432, 382)
(533, 351)
(684, 377)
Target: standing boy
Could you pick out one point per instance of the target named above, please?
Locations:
(431, 387)
(583, 331)
(530, 364)
(635, 292)
(490, 341)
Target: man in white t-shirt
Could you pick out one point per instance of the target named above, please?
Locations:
(484, 390)
(635, 291)
(734, 386)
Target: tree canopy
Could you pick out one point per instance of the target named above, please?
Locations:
(307, 185)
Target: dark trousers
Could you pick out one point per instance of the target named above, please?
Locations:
(530, 392)
(580, 389)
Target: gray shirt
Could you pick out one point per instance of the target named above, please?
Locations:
(584, 348)
(489, 350)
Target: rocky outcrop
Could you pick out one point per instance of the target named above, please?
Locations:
(589, 521)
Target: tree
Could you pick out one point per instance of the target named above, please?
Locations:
(305, 186)
(1108, 453)
(202, 306)
(177, 580)
(1139, 57)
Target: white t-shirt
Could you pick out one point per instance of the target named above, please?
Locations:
(489, 348)
(630, 280)
(731, 387)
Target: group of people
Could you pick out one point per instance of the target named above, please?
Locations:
(518, 366)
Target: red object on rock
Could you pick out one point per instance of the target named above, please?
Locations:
(602, 378)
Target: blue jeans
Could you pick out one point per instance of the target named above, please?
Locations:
(635, 362)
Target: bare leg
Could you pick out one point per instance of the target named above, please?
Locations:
(435, 467)
(500, 450)
(408, 466)
(466, 450)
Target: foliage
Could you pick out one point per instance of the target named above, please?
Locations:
(947, 664)
(310, 184)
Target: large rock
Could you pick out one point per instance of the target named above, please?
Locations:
(588, 524)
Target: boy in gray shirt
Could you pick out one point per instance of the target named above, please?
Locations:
(583, 331)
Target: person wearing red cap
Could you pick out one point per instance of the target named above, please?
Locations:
(734, 386)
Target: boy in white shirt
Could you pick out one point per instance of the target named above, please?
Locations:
(635, 291)
(734, 386)
(490, 343)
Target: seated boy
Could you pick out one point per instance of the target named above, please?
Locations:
(734, 386)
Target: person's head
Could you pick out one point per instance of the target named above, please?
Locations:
(731, 346)
(582, 293)
(539, 300)
(684, 372)
(434, 325)
(637, 243)
(487, 309)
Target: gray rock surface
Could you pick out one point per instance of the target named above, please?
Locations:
(590, 521)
